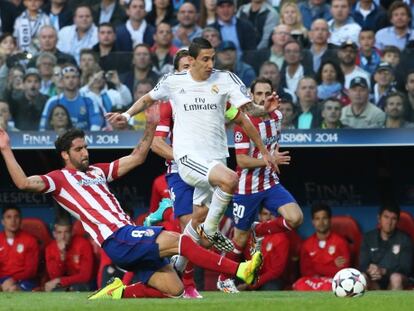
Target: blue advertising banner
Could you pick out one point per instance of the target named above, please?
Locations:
(289, 138)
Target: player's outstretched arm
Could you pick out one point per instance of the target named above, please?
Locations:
(32, 183)
(141, 104)
(140, 152)
(251, 131)
(160, 147)
(271, 103)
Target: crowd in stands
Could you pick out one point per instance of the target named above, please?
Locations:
(334, 64)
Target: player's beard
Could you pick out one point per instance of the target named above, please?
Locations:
(83, 165)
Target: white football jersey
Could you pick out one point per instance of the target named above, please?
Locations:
(199, 111)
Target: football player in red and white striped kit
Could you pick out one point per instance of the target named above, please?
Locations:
(82, 189)
(259, 185)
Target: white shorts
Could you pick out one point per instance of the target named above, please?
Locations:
(195, 172)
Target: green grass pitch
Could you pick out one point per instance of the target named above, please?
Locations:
(214, 301)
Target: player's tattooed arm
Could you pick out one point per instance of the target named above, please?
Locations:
(140, 152)
(254, 110)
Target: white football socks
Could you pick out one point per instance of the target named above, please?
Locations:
(217, 208)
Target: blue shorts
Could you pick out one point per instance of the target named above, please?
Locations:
(25, 285)
(133, 248)
(246, 206)
(181, 194)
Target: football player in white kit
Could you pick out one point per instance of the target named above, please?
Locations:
(200, 98)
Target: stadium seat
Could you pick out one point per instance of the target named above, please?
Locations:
(347, 227)
(38, 229)
(406, 224)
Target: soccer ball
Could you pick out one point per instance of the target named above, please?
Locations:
(349, 282)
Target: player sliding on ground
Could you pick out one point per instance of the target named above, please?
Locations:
(199, 98)
(82, 190)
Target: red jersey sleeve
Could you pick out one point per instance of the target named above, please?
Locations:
(54, 265)
(84, 248)
(52, 181)
(241, 141)
(109, 169)
(306, 263)
(31, 259)
(164, 126)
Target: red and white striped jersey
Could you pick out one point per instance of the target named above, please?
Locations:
(86, 196)
(164, 129)
(257, 179)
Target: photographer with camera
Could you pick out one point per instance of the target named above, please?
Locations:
(107, 91)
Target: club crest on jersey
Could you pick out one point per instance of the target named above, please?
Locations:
(238, 137)
(396, 249)
(20, 248)
(331, 250)
(243, 90)
(214, 89)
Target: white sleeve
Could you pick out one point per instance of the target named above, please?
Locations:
(238, 93)
(161, 91)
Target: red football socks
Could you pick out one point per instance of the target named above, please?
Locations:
(140, 290)
(277, 225)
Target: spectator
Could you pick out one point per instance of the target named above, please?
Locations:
(386, 252)
(138, 121)
(8, 44)
(83, 112)
(88, 63)
(207, 12)
(211, 34)
(263, 17)
(391, 55)
(342, 26)
(136, 30)
(322, 254)
(331, 114)
(114, 98)
(409, 105)
(281, 35)
(227, 60)
(108, 11)
(82, 35)
(59, 13)
(395, 111)
(369, 15)
(270, 70)
(48, 39)
(312, 10)
(142, 68)
(28, 24)
(8, 15)
(45, 64)
(20, 253)
(319, 48)
(27, 105)
(399, 33)
(162, 11)
(109, 56)
(69, 260)
(5, 117)
(186, 29)
(275, 250)
(361, 113)
(368, 57)
(234, 29)
(288, 109)
(347, 58)
(308, 115)
(14, 81)
(330, 80)
(294, 68)
(163, 51)
(290, 15)
(384, 84)
(59, 120)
